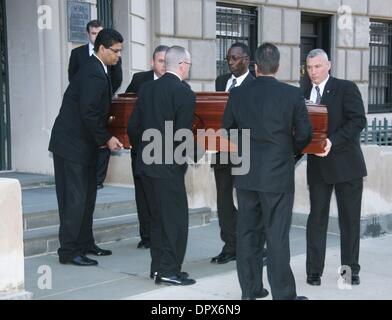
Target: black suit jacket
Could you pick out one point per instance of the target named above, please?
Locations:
(346, 120)
(280, 127)
(80, 127)
(80, 56)
(221, 81)
(220, 85)
(166, 99)
(138, 79)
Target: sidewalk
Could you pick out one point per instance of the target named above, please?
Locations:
(125, 275)
(376, 279)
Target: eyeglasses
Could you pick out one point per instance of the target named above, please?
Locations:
(188, 63)
(115, 50)
(235, 58)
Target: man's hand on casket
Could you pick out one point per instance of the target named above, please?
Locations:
(327, 149)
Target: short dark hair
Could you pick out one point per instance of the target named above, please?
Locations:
(106, 38)
(243, 46)
(94, 24)
(161, 48)
(267, 58)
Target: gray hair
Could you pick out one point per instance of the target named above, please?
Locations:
(174, 56)
(317, 52)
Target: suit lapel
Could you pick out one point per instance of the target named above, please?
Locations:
(107, 75)
(328, 92)
(248, 78)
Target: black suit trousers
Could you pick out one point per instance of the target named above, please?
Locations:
(264, 216)
(76, 190)
(143, 212)
(227, 212)
(102, 164)
(168, 205)
(349, 198)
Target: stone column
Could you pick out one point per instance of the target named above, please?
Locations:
(11, 242)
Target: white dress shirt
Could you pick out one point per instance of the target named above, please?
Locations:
(313, 94)
(239, 80)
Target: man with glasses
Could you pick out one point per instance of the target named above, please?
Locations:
(78, 133)
(79, 58)
(238, 59)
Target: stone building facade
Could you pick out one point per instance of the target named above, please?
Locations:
(38, 58)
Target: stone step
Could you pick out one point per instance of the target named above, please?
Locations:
(40, 207)
(45, 240)
(29, 180)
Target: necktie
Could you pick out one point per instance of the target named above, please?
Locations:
(318, 99)
(233, 84)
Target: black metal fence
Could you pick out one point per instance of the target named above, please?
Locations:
(105, 12)
(378, 132)
(234, 24)
(5, 143)
(380, 69)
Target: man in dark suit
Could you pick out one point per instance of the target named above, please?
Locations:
(79, 57)
(276, 115)
(78, 132)
(238, 59)
(341, 167)
(166, 102)
(158, 70)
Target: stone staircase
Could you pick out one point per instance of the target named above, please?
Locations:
(115, 216)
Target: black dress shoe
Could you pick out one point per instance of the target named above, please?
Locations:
(80, 260)
(174, 280)
(301, 298)
(99, 186)
(258, 295)
(223, 258)
(144, 244)
(97, 251)
(355, 280)
(313, 279)
(261, 294)
(181, 275)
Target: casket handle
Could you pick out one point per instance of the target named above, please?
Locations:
(111, 119)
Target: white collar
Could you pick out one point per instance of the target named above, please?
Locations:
(105, 67)
(321, 85)
(155, 76)
(90, 49)
(240, 79)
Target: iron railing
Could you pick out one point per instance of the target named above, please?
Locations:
(105, 12)
(5, 142)
(234, 24)
(378, 132)
(380, 69)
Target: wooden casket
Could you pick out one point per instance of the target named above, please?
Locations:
(209, 111)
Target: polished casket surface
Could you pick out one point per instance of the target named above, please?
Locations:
(209, 111)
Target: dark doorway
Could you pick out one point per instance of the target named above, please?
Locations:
(315, 33)
(5, 144)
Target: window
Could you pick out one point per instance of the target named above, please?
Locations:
(234, 24)
(105, 12)
(380, 69)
